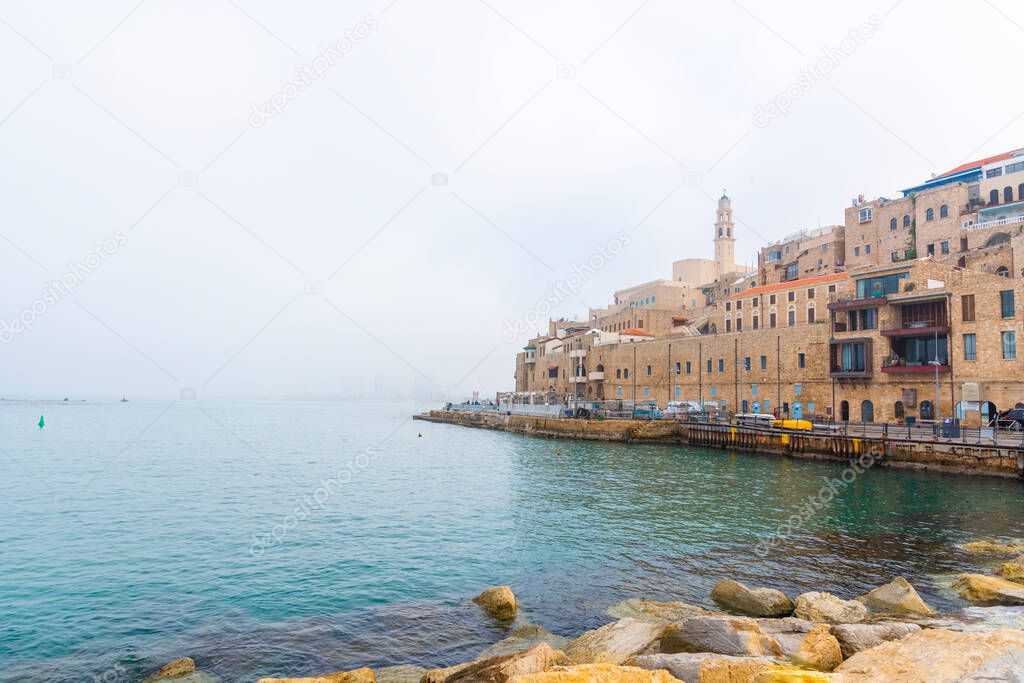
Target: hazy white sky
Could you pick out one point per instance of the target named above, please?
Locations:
(195, 234)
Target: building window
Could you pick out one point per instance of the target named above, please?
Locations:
(728, 325)
(1009, 345)
(943, 211)
(967, 308)
(810, 314)
(728, 305)
(791, 317)
(944, 247)
(994, 172)
(739, 324)
(649, 370)
(709, 366)
(1003, 271)
(831, 289)
(866, 214)
(931, 249)
(895, 256)
(1006, 304)
(689, 367)
(993, 197)
(739, 305)
(647, 391)
(771, 299)
(801, 360)
(620, 391)
(898, 410)
(867, 248)
(764, 362)
(721, 365)
(970, 347)
(893, 224)
(1007, 194)
(927, 410)
(755, 322)
(929, 215)
(856, 251)
(810, 293)
(753, 302)
(618, 373)
(771, 320)
(792, 296)
(679, 368)
(906, 220)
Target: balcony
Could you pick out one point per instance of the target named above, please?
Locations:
(850, 358)
(578, 353)
(578, 379)
(913, 369)
(968, 226)
(597, 377)
(916, 331)
(848, 302)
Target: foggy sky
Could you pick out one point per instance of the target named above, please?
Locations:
(129, 142)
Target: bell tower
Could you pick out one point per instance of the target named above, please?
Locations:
(725, 237)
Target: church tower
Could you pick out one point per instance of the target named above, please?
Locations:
(725, 238)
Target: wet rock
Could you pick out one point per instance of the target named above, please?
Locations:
(502, 669)
(499, 602)
(598, 673)
(938, 656)
(613, 643)
(827, 608)
(724, 635)
(694, 667)
(441, 675)
(854, 638)
(988, 590)
(896, 597)
(363, 675)
(656, 612)
(993, 548)
(993, 618)
(1012, 571)
(816, 649)
(173, 669)
(786, 625)
(403, 673)
(522, 639)
(753, 602)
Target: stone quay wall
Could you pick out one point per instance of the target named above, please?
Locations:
(977, 460)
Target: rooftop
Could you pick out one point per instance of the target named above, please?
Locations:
(983, 162)
(792, 284)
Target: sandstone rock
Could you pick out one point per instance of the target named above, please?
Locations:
(499, 602)
(993, 548)
(937, 656)
(1012, 571)
(403, 673)
(503, 669)
(694, 667)
(598, 673)
(522, 639)
(988, 590)
(854, 638)
(614, 642)
(786, 625)
(738, 636)
(819, 650)
(992, 618)
(896, 597)
(792, 675)
(753, 602)
(363, 675)
(656, 612)
(173, 669)
(827, 608)
(441, 675)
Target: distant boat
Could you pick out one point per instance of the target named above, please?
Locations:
(124, 399)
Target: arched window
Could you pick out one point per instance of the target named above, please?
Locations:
(1007, 194)
(998, 238)
(867, 411)
(600, 368)
(1020, 191)
(1002, 271)
(844, 411)
(625, 373)
(810, 313)
(993, 197)
(791, 316)
(929, 215)
(898, 410)
(892, 224)
(906, 220)
(927, 410)
(943, 211)
(728, 325)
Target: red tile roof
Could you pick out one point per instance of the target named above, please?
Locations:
(634, 332)
(981, 162)
(792, 284)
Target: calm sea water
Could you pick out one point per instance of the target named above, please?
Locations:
(130, 534)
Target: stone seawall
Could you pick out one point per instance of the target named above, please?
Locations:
(990, 461)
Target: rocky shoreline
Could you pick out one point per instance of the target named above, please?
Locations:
(746, 635)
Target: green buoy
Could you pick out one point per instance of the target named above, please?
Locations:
(42, 423)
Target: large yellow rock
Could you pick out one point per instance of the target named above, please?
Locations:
(173, 669)
(939, 656)
(1012, 571)
(819, 650)
(363, 675)
(655, 611)
(613, 643)
(499, 602)
(504, 668)
(753, 602)
(896, 597)
(993, 548)
(792, 675)
(988, 590)
(598, 673)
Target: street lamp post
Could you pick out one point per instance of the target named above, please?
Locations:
(937, 363)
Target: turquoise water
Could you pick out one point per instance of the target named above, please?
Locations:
(136, 533)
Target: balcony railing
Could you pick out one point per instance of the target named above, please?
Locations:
(968, 226)
(847, 301)
(597, 377)
(913, 369)
(578, 353)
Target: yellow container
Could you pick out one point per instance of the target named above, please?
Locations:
(801, 425)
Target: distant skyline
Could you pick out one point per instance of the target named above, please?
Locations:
(254, 201)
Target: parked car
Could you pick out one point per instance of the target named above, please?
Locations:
(762, 420)
(801, 425)
(1009, 420)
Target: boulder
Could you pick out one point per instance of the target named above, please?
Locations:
(788, 674)
(854, 638)
(441, 675)
(613, 643)
(753, 602)
(786, 625)
(522, 639)
(896, 597)
(656, 612)
(172, 669)
(363, 675)
(817, 649)
(694, 667)
(504, 668)
(937, 656)
(1012, 571)
(738, 636)
(993, 548)
(403, 673)
(988, 590)
(499, 602)
(598, 673)
(827, 608)
(992, 618)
